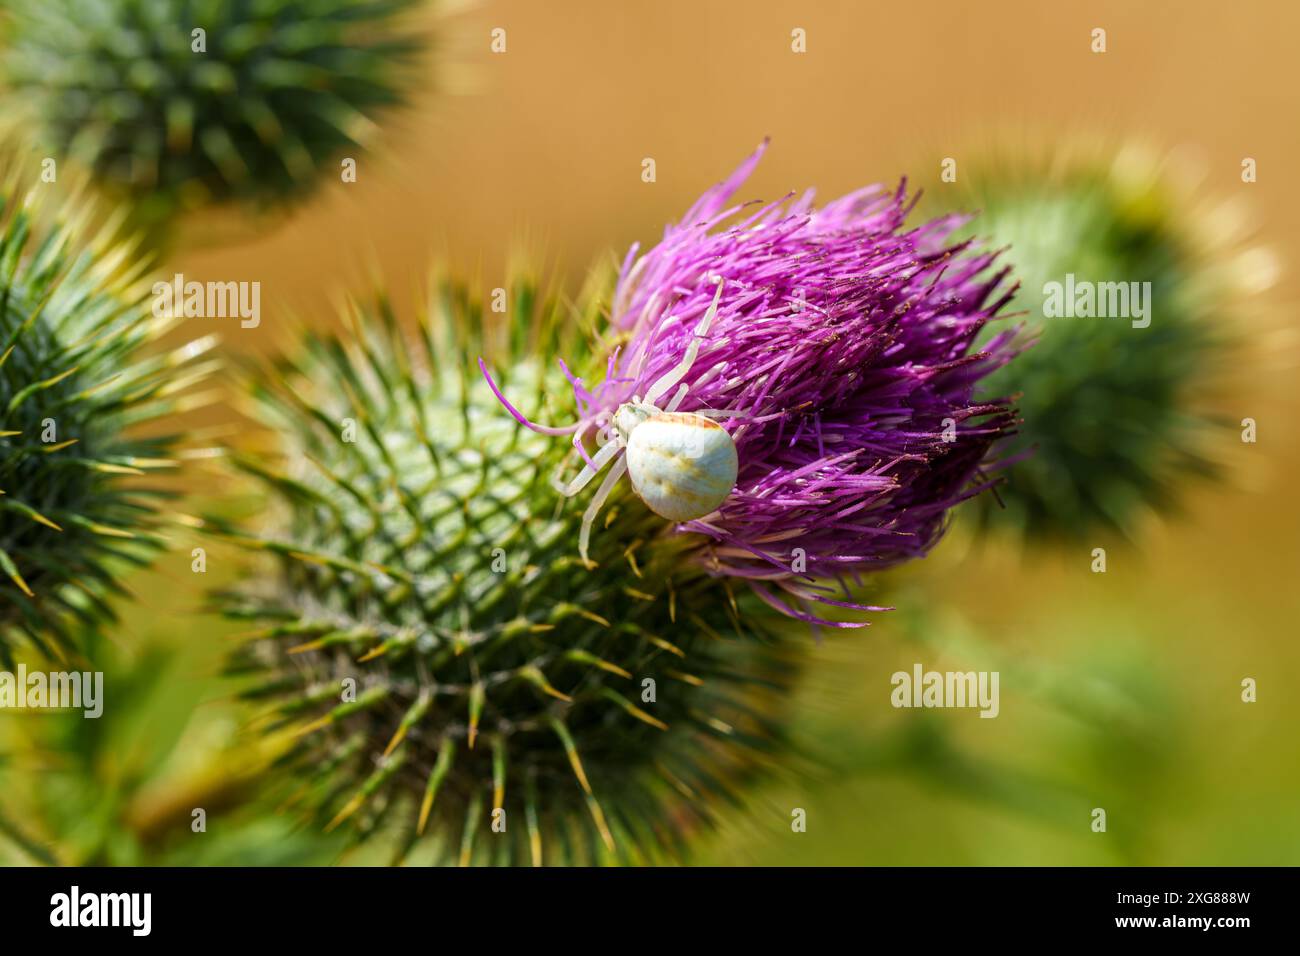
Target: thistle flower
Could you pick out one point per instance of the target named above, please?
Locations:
(1120, 418)
(77, 391)
(836, 347)
(506, 704)
(255, 109)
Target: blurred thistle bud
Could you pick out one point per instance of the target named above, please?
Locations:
(82, 398)
(181, 103)
(1134, 289)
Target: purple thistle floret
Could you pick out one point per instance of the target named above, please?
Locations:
(845, 347)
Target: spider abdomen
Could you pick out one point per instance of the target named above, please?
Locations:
(682, 465)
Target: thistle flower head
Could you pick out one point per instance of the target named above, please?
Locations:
(835, 346)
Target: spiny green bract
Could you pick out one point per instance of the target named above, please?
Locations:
(1116, 418)
(427, 561)
(280, 90)
(75, 389)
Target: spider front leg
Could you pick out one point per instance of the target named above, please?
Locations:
(677, 399)
(598, 461)
(678, 371)
(597, 502)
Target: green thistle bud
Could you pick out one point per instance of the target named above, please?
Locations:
(433, 643)
(1118, 410)
(177, 103)
(76, 397)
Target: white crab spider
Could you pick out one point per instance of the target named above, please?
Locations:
(682, 464)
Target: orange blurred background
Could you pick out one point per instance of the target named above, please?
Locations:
(542, 145)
